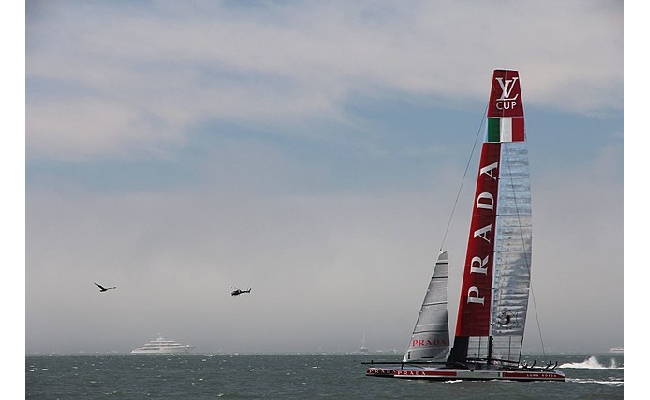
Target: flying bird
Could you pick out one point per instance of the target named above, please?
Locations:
(103, 289)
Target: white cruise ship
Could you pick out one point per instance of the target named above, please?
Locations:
(163, 346)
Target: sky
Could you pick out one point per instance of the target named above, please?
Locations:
(314, 152)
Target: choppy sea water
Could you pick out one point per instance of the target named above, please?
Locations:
(291, 377)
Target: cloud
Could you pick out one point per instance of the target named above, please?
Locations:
(105, 79)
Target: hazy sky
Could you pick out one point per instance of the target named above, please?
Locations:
(313, 151)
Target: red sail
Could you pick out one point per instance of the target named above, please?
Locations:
(505, 98)
(476, 293)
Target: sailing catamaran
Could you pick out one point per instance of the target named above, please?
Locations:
(496, 274)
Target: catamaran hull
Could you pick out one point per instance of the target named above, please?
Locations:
(435, 374)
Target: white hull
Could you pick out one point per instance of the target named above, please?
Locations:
(183, 350)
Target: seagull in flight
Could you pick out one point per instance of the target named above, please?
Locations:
(103, 289)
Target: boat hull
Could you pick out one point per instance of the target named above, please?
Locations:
(444, 374)
(184, 350)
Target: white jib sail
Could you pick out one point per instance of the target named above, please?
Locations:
(430, 339)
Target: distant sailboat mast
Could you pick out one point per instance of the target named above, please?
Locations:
(363, 348)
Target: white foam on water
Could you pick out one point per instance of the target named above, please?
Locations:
(591, 363)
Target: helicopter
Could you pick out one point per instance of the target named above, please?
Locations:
(238, 291)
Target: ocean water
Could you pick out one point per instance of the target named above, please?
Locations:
(291, 377)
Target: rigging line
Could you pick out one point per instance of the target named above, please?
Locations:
(539, 328)
(460, 189)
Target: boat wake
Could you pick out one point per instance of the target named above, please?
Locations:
(592, 363)
(613, 382)
(597, 382)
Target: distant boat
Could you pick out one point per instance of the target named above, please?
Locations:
(616, 350)
(497, 270)
(163, 346)
(363, 349)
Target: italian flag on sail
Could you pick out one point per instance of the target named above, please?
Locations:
(505, 129)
